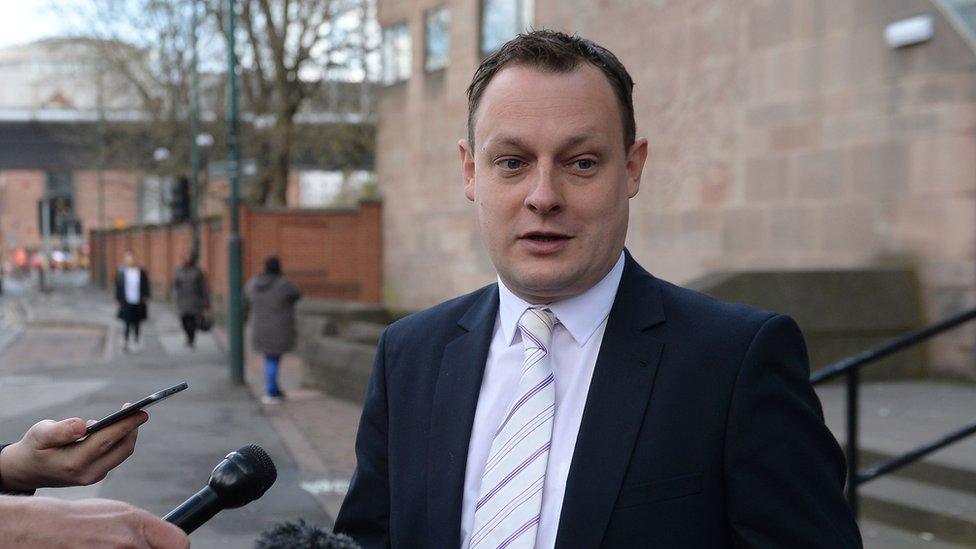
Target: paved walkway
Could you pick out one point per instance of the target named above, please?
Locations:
(64, 359)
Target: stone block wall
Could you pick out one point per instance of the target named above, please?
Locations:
(784, 134)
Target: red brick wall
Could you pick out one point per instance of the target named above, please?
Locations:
(333, 254)
(20, 191)
(121, 197)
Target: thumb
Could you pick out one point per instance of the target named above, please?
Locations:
(52, 434)
(163, 535)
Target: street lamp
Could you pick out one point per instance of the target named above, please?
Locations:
(204, 140)
(235, 309)
(161, 154)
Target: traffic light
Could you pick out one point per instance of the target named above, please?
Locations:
(180, 200)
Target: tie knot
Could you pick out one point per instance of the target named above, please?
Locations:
(536, 325)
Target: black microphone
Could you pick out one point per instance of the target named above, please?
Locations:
(302, 535)
(242, 477)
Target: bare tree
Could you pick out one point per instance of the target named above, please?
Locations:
(289, 48)
(143, 49)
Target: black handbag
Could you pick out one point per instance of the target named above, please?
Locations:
(204, 322)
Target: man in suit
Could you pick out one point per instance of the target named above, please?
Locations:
(581, 402)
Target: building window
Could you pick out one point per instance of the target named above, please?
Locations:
(501, 20)
(396, 53)
(437, 38)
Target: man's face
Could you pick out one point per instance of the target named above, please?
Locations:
(551, 179)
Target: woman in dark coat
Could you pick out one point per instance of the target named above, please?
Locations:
(271, 300)
(132, 292)
(192, 297)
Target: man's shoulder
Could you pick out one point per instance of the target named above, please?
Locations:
(439, 319)
(692, 308)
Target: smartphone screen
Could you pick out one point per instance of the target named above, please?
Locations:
(158, 396)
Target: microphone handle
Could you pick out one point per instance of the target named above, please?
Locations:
(193, 512)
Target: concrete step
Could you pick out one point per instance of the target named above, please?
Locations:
(899, 416)
(930, 470)
(878, 535)
(946, 514)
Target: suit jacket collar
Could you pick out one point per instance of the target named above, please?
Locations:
(615, 406)
(452, 417)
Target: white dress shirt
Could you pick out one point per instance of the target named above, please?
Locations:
(132, 279)
(575, 345)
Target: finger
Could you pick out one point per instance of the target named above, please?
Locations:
(111, 458)
(163, 535)
(102, 441)
(53, 434)
(119, 429)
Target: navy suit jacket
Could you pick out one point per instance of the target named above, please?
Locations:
(700, 429)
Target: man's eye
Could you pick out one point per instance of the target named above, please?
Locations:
(585, 164)
(512, 163)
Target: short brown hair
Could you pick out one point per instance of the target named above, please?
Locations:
(557, 52)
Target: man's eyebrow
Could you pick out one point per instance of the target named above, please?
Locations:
(519, 143)
(578, 140)
(510, 141)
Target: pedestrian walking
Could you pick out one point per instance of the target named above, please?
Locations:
(132, 292)
(192, 297)
(271, 298)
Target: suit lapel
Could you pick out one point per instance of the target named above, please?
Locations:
(452, 417)
(615, 408)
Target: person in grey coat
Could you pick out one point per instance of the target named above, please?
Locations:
(192, 297)
(271, 301)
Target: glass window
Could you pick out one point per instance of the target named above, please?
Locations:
(396, 53)
(437, 44)
(501, 20)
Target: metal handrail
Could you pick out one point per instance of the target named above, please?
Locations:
(891, 347)
(850, 367)
(898, 462)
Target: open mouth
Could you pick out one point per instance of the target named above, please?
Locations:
(545, 237)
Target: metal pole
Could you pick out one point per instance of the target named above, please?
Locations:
(46, 231)
(100, 144)
(852, 458)
(194, 132)
(100, 138)
(235, 328)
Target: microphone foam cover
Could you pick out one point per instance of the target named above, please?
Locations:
(302, 535)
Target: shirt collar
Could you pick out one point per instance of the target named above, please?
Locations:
(581, 315)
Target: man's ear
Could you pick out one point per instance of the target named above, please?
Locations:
(635, 166)
(467, 167)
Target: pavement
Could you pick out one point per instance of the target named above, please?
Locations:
(62, 358)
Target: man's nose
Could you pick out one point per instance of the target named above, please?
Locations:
(545, 195)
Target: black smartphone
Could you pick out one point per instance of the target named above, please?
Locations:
(126, 412)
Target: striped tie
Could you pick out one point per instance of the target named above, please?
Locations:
(507, 513)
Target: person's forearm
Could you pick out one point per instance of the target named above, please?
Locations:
(86, 524)
(20, 518)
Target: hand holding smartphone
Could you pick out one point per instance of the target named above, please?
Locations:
(158, 396)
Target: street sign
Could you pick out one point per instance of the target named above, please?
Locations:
(222, 169)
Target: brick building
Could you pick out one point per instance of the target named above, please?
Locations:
(784, 135)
